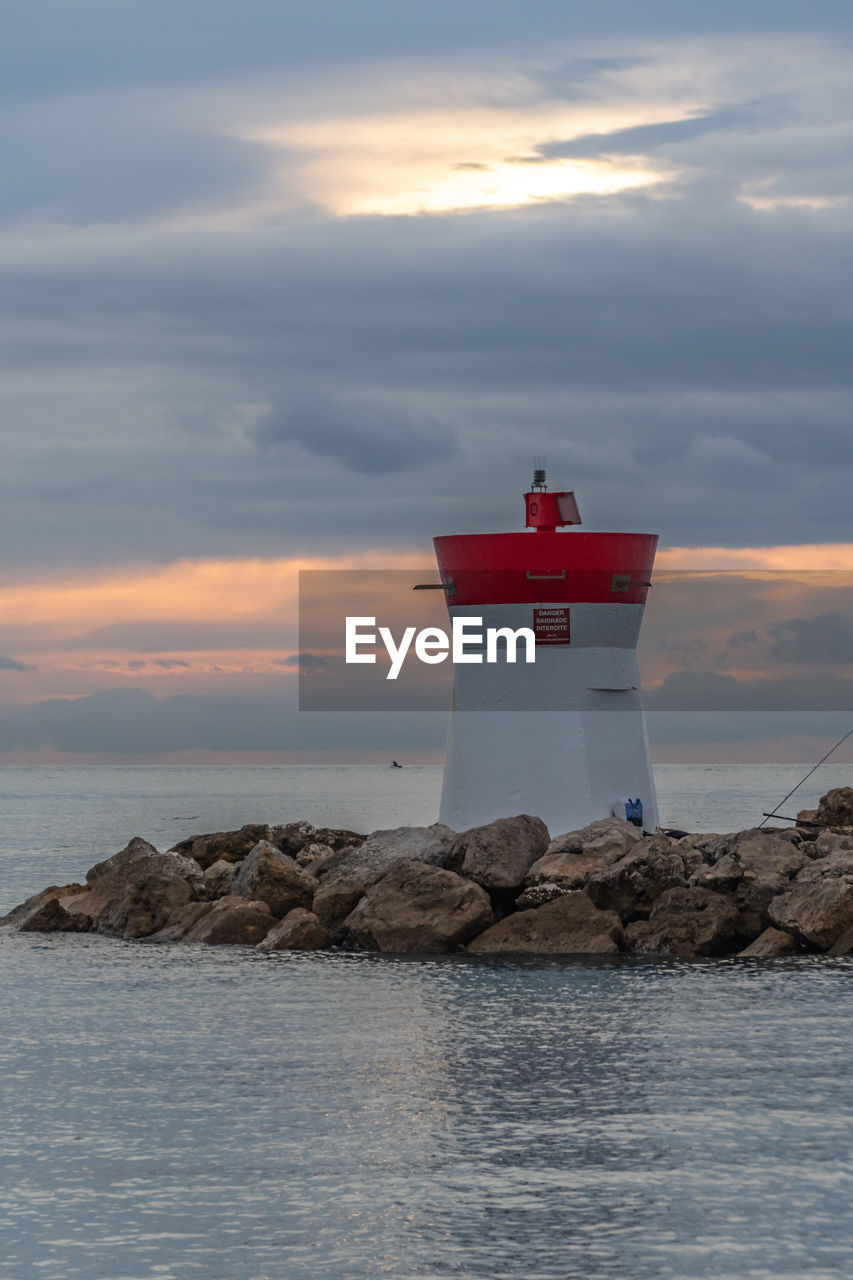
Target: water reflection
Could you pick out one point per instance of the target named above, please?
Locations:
(215, 1113)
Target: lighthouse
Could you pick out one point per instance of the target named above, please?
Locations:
(562, 737)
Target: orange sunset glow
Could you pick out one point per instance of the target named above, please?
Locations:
(209, 626)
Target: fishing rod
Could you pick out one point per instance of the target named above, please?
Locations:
(775, 812)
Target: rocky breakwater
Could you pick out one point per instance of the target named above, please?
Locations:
(506, 887)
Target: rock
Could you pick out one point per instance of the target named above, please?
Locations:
(291, 837)
(536, 895)
(759, 866)
(300, 930)
(181, 922)
(807, 818)
(711, 845)
(772, 942)
(818, 909)
(499, 855)
(632, 886)
(134, 893)
(225, 846)
(218, 878)
(348, 874)
(837, 863)
(832, 842)
(338, 838)
(686, 922)
(836, 808)
(313, 853)
(270, 876)
(232, 920)
(843, 946)
(52, 917)
(417, 908)
(18, 916)
(604, 836)
(570, 870)
(570, 925)
(572, 866)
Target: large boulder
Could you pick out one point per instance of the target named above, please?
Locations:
(685, 922)
(348, 874)
(604, 836)
(225, 846)
(759, 867)
(269, 876)
(572, 859)
(569, 925)
(632, 886)
(133, 894)
(499, 855)
(417, 908)
(836, 808)
(818, 906)
(44, 907)
(300, 930)
(232, 920)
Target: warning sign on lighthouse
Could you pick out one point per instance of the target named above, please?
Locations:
(551, 626)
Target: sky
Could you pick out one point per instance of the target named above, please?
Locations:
(293, 286)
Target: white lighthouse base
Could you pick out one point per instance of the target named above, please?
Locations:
(566, 767)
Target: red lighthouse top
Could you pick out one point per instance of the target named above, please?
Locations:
(506, 568)
(545, 511)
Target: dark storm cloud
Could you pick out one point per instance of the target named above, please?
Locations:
(368, 437)
(681, 360)
(60, 46)
(826, 638)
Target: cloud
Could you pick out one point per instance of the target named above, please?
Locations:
(10, 664)
(205, 365)
(367, 437)
(692, 691)
(165, 664)
(824, 638)
(305, 662)
(645, 138)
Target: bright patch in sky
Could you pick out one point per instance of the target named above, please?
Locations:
(435, 161)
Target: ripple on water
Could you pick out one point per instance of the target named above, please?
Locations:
(197, 1112)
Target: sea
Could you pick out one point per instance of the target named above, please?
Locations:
(213, 1113)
